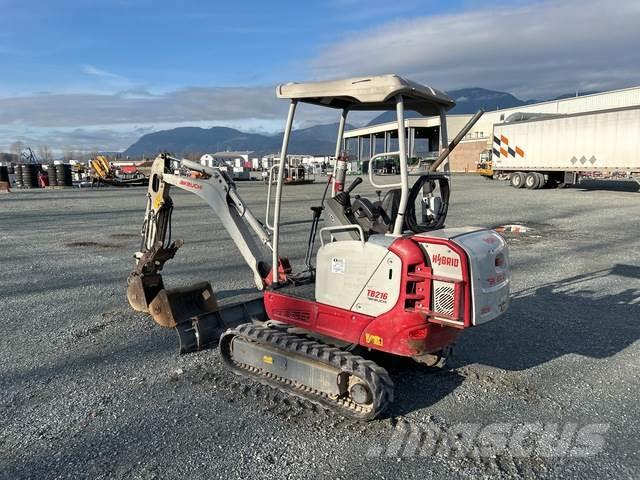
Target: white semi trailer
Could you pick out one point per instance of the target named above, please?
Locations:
(557, 150)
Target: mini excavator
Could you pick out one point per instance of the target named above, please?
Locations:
(387, 275)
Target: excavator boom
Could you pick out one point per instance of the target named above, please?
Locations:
(145, 286)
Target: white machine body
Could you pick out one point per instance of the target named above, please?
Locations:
(348, 271)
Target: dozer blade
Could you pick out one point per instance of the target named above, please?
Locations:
(177, 305)
(205, 330)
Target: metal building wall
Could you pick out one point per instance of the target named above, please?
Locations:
(483, 129)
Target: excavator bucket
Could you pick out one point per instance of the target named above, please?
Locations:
(146, 293)
(142, 289)
(193, 311)
(174, 306)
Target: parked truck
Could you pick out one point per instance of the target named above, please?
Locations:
(538, 150)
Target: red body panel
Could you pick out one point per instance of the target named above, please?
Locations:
(129, 169)
(325, 319)
(408, 329)
(463, 289)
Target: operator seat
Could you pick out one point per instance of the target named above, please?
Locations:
(389, 206)
(374, 217)
(379, 216)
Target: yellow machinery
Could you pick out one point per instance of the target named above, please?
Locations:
(102, 168)
(105, 174)
(485, 166)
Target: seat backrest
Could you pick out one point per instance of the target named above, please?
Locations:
(389, 206)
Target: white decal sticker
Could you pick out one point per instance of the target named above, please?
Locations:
(337, 265)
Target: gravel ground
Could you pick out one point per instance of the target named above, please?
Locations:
(92, 389)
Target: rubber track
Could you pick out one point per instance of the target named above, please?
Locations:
(376, 377)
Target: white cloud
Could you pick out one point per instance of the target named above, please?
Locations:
(104, 75)
(83, 122)
(80, 120)
(138, 106)
(545, 48)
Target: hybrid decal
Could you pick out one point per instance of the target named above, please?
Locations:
(445, 261)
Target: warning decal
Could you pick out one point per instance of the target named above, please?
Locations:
(337, 265)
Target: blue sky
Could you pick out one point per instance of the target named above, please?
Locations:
(81, 74)
(62, 46)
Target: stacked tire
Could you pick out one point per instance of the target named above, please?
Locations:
(51, 173)
(28, 175)
(63, 176)
(17, 172)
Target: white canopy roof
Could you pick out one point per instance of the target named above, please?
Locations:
(368, 93)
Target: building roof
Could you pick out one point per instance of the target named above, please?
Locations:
(592, 103)
(454, 121)
(232, 154)
(368, 93)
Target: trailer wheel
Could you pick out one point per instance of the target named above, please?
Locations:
(532, 181)
(541, 180)
(517, 179)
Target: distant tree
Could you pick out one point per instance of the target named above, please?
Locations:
(17, 147)
(68, 154)
(8, 157)
(44, 152)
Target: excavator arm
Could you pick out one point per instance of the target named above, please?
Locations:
(145, 289)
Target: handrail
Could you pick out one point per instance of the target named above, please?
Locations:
(275, 259)
(266, 220)
(342, 228)
(371, 169)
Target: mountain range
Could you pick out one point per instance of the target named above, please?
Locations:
(468, 100)
(318, 140)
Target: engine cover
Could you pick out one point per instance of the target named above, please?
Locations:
(488, 260)
(363, 277)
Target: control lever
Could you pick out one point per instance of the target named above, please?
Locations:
(354, 184)
(343, 197)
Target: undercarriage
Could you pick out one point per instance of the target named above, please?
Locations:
(314, 371)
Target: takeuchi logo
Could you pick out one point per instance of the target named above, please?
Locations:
(187, 183)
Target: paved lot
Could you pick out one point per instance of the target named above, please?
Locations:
(91, 389)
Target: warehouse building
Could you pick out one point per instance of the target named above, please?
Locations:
(423, 133)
